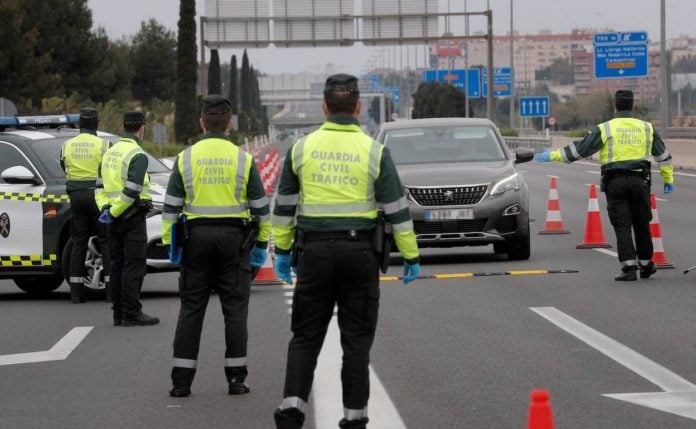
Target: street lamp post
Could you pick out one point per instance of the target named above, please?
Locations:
(664, 96)
(512, 73)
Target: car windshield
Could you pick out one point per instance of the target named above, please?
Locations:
(443, 144)
(48, 152)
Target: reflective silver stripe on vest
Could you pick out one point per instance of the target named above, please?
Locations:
(106, 279)
(185, 363)
(354, 414)
(648, 140)
(610, 142)
(105, 146)
(125, 198)
(126, 161)
(113, 194)
(297, 157)
(235, 361)
(403, 226)
(662, 157)
(257, 204)
(373, 169)
(265, 218)
(287, 200)
(281, 220)
(133, 186)
(574, 152)
(396, 206)
(664, 163)
(215, 210)
(328, 209)
(173, 201)
(293, 402)
(188, 174)
(100, 182)
(242, 158)
(76, 279)
(172, 217)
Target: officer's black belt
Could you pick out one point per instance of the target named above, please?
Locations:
(619, 172)
(352, 235)
(235, 222)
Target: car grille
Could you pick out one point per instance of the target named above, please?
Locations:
(155, 250)
(448, 196)
(473, 225)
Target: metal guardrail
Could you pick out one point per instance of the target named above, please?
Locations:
(536, 143)
(680, 133)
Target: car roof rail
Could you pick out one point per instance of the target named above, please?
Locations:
(39, 121)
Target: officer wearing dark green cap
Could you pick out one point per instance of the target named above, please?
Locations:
(80, 157)
(125, 200)
(217, 189)
(625, 145)
(332, 184)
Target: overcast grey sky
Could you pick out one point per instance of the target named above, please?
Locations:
(123, 17)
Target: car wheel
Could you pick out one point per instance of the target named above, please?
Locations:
(522, 251)
(39, 286)
(93, 263)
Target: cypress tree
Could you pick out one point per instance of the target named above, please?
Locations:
(185, 118)
(233, 95)
(214, 73)
(245, 85)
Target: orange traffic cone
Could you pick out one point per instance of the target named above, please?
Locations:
(540, 414)
(554, 223)
(266, 274)
(594, 233)
(659, 257)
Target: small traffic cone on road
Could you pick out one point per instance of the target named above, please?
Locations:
(554, 223)
(266, 274)
(540, 414)
(659, 257)
(594, 233)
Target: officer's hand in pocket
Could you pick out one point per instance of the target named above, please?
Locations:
(282, 267)
(105, 217)
(258, 257)
(411, 272)
(669, 188)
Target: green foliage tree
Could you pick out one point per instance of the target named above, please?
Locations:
(153, 57)
(185, 124)
(114, 72)
(436, 100)
(214, 73)
(560, 70)
(233, 91)
(245, 84)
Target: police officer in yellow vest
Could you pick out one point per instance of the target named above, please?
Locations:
(80, 157)
(125, 200)
(332, 184)
(625, 145)
(217, 189)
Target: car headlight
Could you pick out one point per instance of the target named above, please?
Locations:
(511, 183)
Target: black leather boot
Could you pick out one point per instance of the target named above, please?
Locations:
(647, 270)
(76, 294)
(141, 319)
(289, 418)
(235, 380)
(628, 274)
(354, 424)
(182, 378)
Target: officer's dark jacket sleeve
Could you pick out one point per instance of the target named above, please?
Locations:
(173, 202)
(258, 205)
(390, 195)
(285, 206)
(577, 150)
(663, 158)
(136, 176)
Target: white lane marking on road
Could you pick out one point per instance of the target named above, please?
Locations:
(608, 252)
(653, 372)
(327, 393)
(552, 176)
(676, 173)
(60, 351)
(593, 172)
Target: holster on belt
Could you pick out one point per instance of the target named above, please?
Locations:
(297, 247)
(252, 232)
(608, 174)
(139, 207)
(381, 241)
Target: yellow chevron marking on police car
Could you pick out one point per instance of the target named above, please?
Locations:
(23, 196)
(27, 260)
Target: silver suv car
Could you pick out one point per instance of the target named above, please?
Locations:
(462, 183)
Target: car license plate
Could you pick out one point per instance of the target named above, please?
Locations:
(449, 214)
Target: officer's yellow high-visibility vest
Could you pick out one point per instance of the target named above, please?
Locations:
(337, 172)
(82, 155)
(625, 139)
(215, 174)
(114, 172)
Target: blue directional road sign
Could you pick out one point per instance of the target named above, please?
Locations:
(502, 86)
(457, 77)
(621, 55)
(534, 107)
(394, 92)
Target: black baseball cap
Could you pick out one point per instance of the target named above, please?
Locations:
(89, 113)
(623, 95)
(134, 117)
(341, 82)
(215, 104)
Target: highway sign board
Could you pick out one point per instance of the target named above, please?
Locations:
(534, 107)
(502, 86)
(457, 77)
(621, 55)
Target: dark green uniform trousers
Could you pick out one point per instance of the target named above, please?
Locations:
(128, 248)
(628, 204)
(212, 260)
(332, 271)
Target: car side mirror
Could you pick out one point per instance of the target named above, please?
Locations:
(19, 175)
(523, 154)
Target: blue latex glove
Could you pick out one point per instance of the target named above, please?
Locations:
(258, 257)
(669, 188)
(282, 267)
(106, 217)
(544, 156)
(411, 271)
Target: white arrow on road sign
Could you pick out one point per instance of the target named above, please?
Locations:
(60, 351)
(678, 396)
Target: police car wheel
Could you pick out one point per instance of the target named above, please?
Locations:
(39, 286)
(87, 292)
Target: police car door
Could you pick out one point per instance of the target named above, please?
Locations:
(21, 217)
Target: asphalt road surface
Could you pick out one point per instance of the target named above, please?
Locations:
(453, 353)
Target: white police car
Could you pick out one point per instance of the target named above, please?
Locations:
(35, 209)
